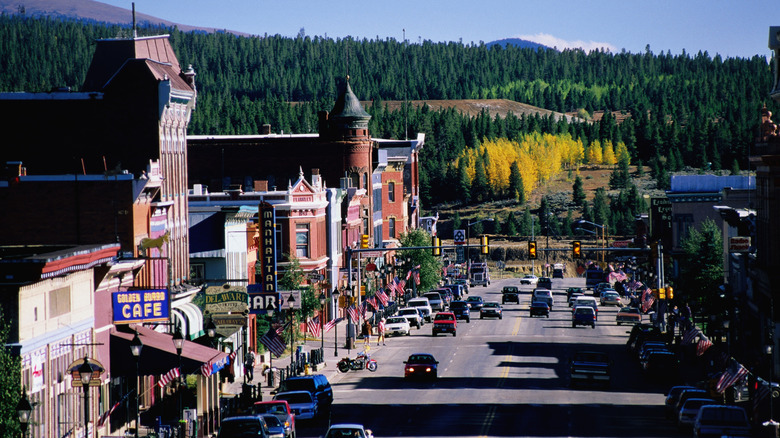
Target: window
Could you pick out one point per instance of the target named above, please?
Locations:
(683, 222)
(391, 192)
(59, 302)
(391, 227)
(302, 240)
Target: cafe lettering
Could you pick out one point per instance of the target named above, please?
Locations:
(140, 306)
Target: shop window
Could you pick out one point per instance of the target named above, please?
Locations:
(302, 240)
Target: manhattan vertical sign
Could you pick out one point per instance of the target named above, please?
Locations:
(268, 247)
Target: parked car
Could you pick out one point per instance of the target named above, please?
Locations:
(720, 420)
(421, 365)
(413, 315)
(590, 367)
(540, 308)
(281, 410)
(474, 302)
(583, 315)
(435, 299)
(529, 279)
(445, 322)
(491, 309)
(316, 384)
(456, 291)
(610, 297)
(302, 403)
(348, 431)
(510, 294)
(461, 310)
(397, 325)
(543, 295)
(275, 427)
(250, 426)
(423, 304)
(688, 411)
(628, 315)
(545, 282)
(687, 394)
(672, 396)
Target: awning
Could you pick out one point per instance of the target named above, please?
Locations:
(158, 355)
(191, 319)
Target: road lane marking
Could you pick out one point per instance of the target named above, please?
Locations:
(491, 414)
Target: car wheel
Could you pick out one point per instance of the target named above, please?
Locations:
(573, 325)
(435, 333)
(593, 326)
(548, 315)
(468, 320)
(409, 333)
(454, 334)
(501, 317)
(481, 317)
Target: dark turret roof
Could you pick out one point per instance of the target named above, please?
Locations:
(348, 106)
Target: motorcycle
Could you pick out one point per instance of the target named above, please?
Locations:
(361, 361)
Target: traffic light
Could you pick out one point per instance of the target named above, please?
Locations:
(662, 293)
(436, 244)
(532, 250)
(576, 249)
(669, 292)
(364, 241)
(483, 241)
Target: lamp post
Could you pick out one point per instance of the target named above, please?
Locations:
(323, 298)
(178, 343)
(85, 374)
(291, 306)
(350, 326)
(603, 234)
(211, 331)
(335, 296)
(269, 310)
(135, 348)
(468, 238)
(23, 411)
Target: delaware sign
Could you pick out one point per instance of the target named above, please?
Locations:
(135, 306)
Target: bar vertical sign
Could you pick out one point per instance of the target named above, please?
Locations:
(267, 247)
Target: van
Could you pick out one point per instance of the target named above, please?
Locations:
(316, 384)
(543, 295)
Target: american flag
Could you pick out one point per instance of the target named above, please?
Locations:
(354, 315)
(205, 369)
(168, 377)
(690, 335)
(417, 277)
(401, 286)
(332, 323)
(408, 275)
(702, 346)
(382, 297)
(106, 414)
(372, 302)
(733, 374)
(273, 342)
(647, 303)
(282, 328)
(314, 326)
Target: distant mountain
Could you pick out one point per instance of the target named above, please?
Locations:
(517, 42)
(89, 10)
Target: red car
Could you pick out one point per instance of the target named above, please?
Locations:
(421, 366)
(445, 322)
(281, 410)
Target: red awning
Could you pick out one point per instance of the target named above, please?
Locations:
(158, 355)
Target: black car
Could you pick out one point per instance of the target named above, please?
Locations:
(544, 283)
(540, 308)
(243, 426)
(474, 302)
(510, 294)
(574, 290)
(461, 310)
(316, 384)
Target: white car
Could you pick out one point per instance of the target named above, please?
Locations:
(610, 297)
(529, 279)
(397, 325)
(423, 304)
(348, 431)
(413, 315)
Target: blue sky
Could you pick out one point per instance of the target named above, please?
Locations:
(733, 28)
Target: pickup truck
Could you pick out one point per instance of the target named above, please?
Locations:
(413, 315)
(589, 367)
(445, 322)
(510, 294)
(423, 304)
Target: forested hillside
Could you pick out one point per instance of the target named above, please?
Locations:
(685, 110)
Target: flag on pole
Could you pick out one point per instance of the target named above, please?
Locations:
(332, 323)
(363, 308)
(372, 302)
(353, 314)
(205, 369)
(408, 275)
(733, 374)
(273, 342)
(282, 328)
(689, 335)
(168, 377)
(401, 286)
(382, 297)
(105, 415)
(313, 325)
(702, 346)
(417, 277)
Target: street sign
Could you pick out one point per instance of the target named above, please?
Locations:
(371, 254)
(739, 244)
(460, 255)
(313, 276)
(459, 237)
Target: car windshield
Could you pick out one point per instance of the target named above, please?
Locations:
(345, 433)
(444, 317)
(510, 289)
(592, 357)
(272, 421)
(583, 310)
(295, 398)
(458, 305)
(629, 310)
(433, 296)
(407, 312)
(270, 408)
(240, 429)
(420, 358)
(477, 299)
(396, 320)
(491, 305)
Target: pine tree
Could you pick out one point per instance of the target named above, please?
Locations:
(527, 223)
(515, 190)
(479, 186)
(578, 193)
(600, 206)
(456, 221)
(511, 224)
(735, 167)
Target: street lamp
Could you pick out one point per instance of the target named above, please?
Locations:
(85, 374)
(335, 296)
(603, 229)
(135, 348)
(291, 305)
(23, 411)
(323, 298)
(468, 238)
(178, 343)
(350, 326)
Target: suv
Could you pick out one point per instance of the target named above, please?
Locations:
(544, 282)
(436, 300)
(461, 310)
(423, 304)
(413, 315)
(445, 322)
(583, 315)
(510, 294)
(589, 366)
(719, 420)
(316, 384)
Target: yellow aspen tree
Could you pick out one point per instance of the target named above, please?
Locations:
(621, 152)
(594, 153)
(608, 154)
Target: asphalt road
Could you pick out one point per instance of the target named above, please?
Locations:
(504, 378)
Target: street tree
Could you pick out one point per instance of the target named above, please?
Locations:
(702, 264)
(430, 265)
(10, 382)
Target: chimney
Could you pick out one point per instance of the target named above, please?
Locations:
(316, 180)
(261, 186)
(266, 130)
(189, 76)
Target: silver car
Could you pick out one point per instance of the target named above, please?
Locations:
(302, 404)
